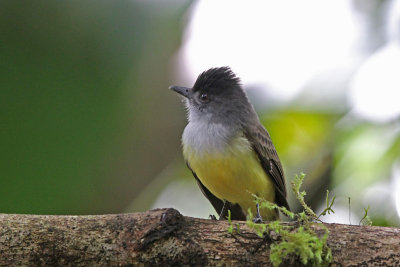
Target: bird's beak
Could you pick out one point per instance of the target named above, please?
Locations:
(186, 92)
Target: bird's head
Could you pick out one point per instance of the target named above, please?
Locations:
(216, 96)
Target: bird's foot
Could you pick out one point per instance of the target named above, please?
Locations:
(258, 218)
(212, 217)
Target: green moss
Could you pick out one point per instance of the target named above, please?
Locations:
(298, 241)
(301, 241)
(231, 229)
(366, 220)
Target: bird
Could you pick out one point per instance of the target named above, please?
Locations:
(228, 150)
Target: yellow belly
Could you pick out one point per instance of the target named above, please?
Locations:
(233, 175)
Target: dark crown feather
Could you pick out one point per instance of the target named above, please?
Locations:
(218, 78)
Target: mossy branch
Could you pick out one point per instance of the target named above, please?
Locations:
(165, 237)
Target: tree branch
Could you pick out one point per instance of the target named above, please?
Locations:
(165, 237)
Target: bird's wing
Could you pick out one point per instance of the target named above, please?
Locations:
(262, 144)
(218, 204)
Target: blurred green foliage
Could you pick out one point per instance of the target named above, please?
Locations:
(78, 81)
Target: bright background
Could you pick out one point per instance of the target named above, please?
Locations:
(88, 126)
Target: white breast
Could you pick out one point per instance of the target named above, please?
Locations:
(203, 137)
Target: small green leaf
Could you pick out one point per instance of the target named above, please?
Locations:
(366, 220)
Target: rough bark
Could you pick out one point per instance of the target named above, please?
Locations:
(165, 237)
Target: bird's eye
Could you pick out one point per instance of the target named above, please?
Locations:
(204, 98)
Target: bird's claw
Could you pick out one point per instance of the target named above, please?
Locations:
(258, 219)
